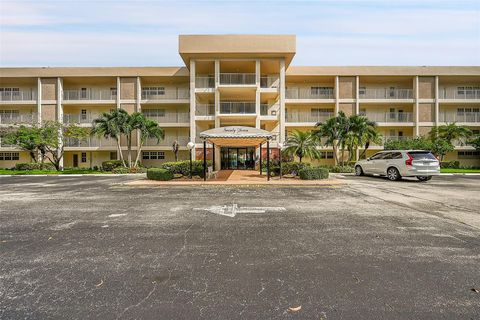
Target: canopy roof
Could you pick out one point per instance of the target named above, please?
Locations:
(236, 136)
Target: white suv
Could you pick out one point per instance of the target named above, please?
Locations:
(396, 164)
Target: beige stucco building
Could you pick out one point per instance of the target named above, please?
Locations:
(238, 80)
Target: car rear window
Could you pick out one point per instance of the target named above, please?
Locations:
(419, 155)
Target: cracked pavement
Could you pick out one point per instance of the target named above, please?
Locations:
(92, 248)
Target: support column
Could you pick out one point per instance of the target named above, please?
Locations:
(282, 100)
(213, 156)
(260, 159)
(416, 114)
(357, 100)
(217, 93)
(60, 119)
(39, 101)
(139, 95)
(337, 104)
(268, 160)
(204, 160)
(118, 93)
(193, 128)
(437, 104)
(257, 93)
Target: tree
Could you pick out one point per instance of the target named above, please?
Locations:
(109, 125)
(302, 144)
(148, 129)
(360, 132)
(334, 130)
(440, 147)
(475, 142)
(450, 132)
(25, 138)
(175, 149)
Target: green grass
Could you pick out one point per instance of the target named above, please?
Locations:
(67, 171)
(452, 170)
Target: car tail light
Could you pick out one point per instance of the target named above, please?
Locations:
(408, 162)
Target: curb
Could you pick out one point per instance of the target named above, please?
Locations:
(75, 175)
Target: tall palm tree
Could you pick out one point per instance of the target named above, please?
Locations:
(110, 126)
(334, 129)
(361, 131)
(148, 129)
(302, 144)
(370, 135)
(450, 132)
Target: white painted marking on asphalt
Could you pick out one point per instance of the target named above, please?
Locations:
(231, 211)
(114, 215)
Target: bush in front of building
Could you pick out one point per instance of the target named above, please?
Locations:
(34, 166)
(123, 170)
(183, 167)
(341, 169)
(450, 164)
(111, 164)
(159, 174)
(315, 173)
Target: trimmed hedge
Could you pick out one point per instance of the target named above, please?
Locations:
(450, 164)
(313, 173)
(34, 166)
(289, 167)
(159, 174)
(111, 164)
(183, 167)
(341, 169)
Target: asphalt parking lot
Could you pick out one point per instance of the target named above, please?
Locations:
(94, 248)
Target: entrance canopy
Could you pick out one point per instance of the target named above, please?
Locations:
(236, 136)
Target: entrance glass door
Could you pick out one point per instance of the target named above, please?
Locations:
(238, 158)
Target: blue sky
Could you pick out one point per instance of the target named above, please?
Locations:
(144, 33)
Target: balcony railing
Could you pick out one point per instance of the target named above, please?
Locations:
(23, 95)
(389, 138)
(80, 118)
(205, 82)
(459, 94)
(171, 117)
(90, 142)
(389, 116)
(167, 94)
(239, 107)
(292, 116)
(386, 93)
(205, 109)
(309, 93)
(182, 140)
(459, 117)
(17, 118)
(89, 95)
(237, 78)
(269, 82)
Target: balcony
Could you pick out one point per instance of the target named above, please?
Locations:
(394, 117)
(89, 95)
(309, 93)
(237, 78)
(305, 116)
(389, 138)
(90, 142)
(239, 107)
(170, 117)
(182, 140)
(18, 118)
(166, 94)
(205, 82)
(461, 93)
(385, 93)
(22, 95)
(469, 117)
(269, 82)
(80, 118)
(205, 109)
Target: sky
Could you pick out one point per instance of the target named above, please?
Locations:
(329, 33)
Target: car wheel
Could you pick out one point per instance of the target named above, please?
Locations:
(424, 178)
(358, 171)
(393, 174)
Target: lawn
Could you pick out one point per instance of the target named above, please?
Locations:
(66, 171)
(452, 170)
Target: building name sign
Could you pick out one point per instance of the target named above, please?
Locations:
(236, 130)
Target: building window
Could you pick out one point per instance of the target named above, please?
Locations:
(326, 154)
(113, 92)
(113, 155)
(83, 114)
(153, 155)
(468, 154)
(362, 91)
(15, 92)
(467, 90)
(321, 91)
(84, 157)
(83, 93)
(320, 112)
(154, 91)
(7, 156)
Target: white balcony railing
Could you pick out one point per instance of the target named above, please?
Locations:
(171, 117)
(18, 118)
(205, 82)
(459, 117)
(182, 140)
(167, 94)
(389, 138)
(89, 142)
(238, 107)
(237, 78)
(314, 117)
(22, 95)
(309, 93)
(389, 116)
(89, 95)
(80, 118)
(269, 82)
(205, 109)
(459, 94)
(386, 93)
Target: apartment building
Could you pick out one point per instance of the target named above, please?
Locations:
(241, 81)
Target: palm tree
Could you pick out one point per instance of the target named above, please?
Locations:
(371, 135)
(148, 129)
(110, 126)
(334, 129)
(361, 132)
(302, 144)
(450, 132)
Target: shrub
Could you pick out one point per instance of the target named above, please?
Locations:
(120, 170)
(183, 167)
(341, 169)
(316, 173)
(111, 164)
(159, 174)
(450, 164)
(294, 167)
(34, 166)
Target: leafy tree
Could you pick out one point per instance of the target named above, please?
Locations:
(109, 125)
(475, 142)
(334, 130)
(450, 132)
(148, 129)
(440, 147)
(302, 144)
(25, 138)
